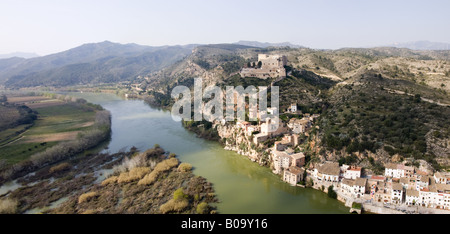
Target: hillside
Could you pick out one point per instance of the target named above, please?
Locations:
(377, 105)
(366, 120)
(10, 62)
(103, 62)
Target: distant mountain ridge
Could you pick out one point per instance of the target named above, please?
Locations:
(422, 45)
(267, 44)
(19, 55)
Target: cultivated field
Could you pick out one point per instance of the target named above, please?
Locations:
(57, 121)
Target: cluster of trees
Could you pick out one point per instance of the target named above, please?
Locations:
(12, 116)
(203, 129)
(355, 145)
(368, 118)
(203, 64)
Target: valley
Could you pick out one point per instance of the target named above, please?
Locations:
(364, 107)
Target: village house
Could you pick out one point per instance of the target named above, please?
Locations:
(397, 193)
(354, 187)
(423, 182)
(360, 187)
(372, 183)
(299, 126)
(289, 140)
(408, 182)
(284, 159)
(272, 66)
(281, 160)
(412, 197)
(442, 178)
(272, 127)
(293, 175)
(260, 137)
(383, 193)
(247, 127)
(351, 172)
(298, 159)
(398, 170)
(443, 196)
(251, 129)
(269, 128)
(436, 196)
(243, 124)
(292, 108)
(328, 172)
(347, 186)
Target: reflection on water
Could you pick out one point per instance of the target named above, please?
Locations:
(242, 186)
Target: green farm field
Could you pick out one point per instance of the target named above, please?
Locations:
(57, 122)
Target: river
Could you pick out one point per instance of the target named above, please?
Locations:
(241, 185)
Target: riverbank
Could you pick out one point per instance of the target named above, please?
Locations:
(233, 139)
(65, 127)
(125, 182)
(241, 185)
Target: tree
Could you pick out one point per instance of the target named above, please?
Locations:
(202, 208)
(417, 98)
(179, 194)
(259, 64)
(331, 192)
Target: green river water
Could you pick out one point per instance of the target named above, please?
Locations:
(241, 185)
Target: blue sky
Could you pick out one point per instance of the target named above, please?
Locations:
(49, 26)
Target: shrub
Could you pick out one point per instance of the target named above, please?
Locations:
(86, 196)
(134, 174)
(178, 203)
(8, 206)
(173, 205)
(159, 168)
(110, 180)
(202, 208)
(149, 178)
(166, 164)
(60, 167)
(185, 167)
(179, 194)
(356, 205)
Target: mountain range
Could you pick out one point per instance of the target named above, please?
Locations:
(108, 62)
(267, 44)
(19, 54)
(422, 45)
(89, 63)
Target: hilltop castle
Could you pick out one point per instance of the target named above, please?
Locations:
(270, 66)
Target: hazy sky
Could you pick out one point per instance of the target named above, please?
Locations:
(49, 26)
